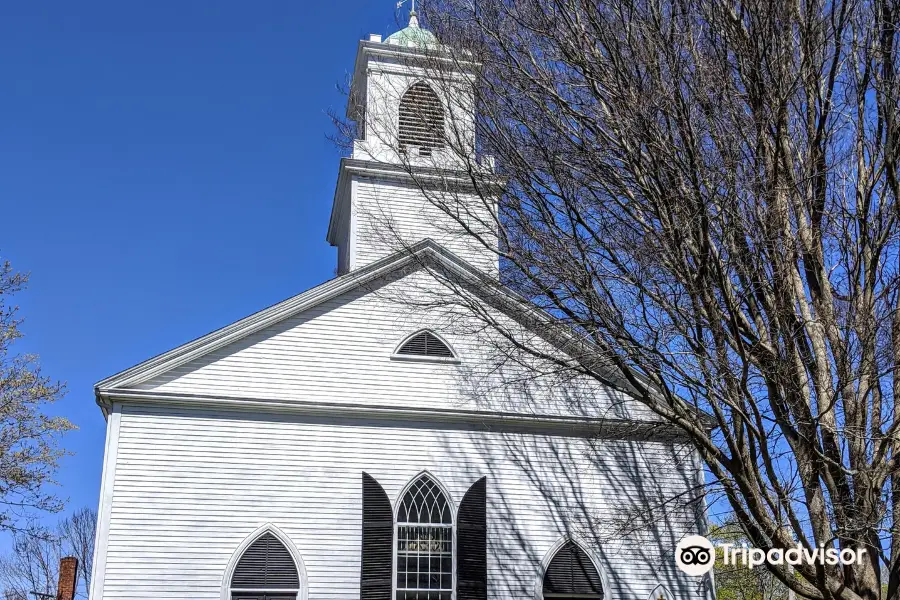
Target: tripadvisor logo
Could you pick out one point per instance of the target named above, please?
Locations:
(695, 555)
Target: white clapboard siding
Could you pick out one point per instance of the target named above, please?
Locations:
(390, 216)
(191, 483)
(339, 352)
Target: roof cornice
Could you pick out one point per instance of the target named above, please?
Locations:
(425, 176)
(496, 420)
(441, 53)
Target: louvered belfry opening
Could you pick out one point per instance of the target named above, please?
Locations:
(572, 574)
(421, 119)
(266, 571)
(424, 543)
(425, 343)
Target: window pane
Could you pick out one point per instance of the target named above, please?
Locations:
(422, 595)
(424, 543)
(424, 502)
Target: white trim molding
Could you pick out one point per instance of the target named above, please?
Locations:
(101, 541)
(302, 593)
(563, 425)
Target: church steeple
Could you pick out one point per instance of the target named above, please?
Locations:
(414, 114)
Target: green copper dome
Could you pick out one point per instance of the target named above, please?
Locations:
(413, 35)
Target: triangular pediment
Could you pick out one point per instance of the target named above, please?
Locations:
(334, 348)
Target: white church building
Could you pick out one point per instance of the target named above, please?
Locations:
(352, 442)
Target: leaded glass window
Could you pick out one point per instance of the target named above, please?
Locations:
(424, 543)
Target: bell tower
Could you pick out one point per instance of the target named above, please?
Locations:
(414, 110)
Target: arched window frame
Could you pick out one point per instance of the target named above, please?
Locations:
(302, 593)
(548, 558)
(454, 360)
(440, 140)
(397, 524)
(661, 592)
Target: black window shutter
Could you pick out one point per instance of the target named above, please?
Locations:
(471, 535)
(377, 542)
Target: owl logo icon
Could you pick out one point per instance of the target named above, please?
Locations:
(695, 555)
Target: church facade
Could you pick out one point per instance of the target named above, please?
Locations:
(358, 441)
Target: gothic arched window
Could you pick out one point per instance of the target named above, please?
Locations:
(660, 593)
(572, 574)
(421, 119)
(424, 543)
(265, 571)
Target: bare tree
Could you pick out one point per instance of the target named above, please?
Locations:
(32, 566)
(77, 533)
(702, 196)
(33, 563)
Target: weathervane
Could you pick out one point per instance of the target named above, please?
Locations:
(413, 18)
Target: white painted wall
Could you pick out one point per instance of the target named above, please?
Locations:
(390, 216)
(190, 484)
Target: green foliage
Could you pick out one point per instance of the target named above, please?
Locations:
(29, 439)
(738, 582)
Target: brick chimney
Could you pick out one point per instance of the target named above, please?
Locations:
(68, 578)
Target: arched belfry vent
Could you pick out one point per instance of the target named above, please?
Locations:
(425, 343)
(572, 574)
(266, 565)
(421, 119)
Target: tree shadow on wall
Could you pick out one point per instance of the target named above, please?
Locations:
(626, 493)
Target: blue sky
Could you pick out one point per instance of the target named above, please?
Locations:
(164, 171)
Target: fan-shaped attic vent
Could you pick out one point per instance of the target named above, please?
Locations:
(425, 343)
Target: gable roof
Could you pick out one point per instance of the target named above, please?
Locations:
(426, 253)
(214, 340)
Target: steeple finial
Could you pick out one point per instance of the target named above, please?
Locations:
(413, 16)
